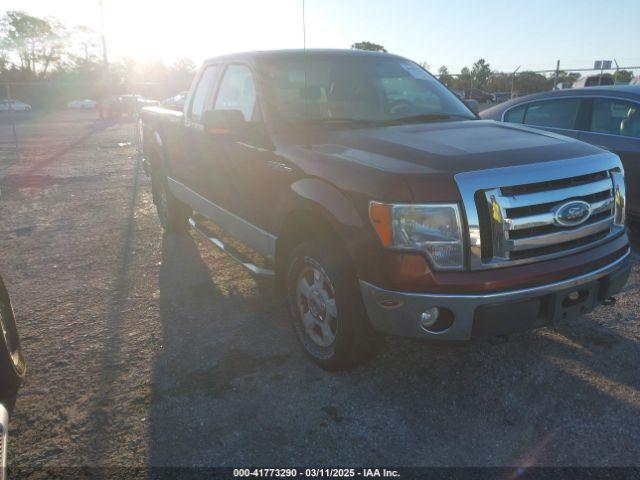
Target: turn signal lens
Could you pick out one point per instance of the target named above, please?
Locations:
(380, 215)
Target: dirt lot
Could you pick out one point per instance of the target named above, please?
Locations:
(152, 349)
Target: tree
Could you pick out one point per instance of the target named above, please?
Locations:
(566, 77)
(481, 71)
(444, 76)
(464, 79)
(623, 76)
(36, 42)
(373, 47)
(499, 82)
(530, 82)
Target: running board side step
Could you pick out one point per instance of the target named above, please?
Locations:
(231, 252)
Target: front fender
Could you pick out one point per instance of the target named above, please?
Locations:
(320, 201)
(324, 195)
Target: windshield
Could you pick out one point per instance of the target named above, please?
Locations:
(351, 88)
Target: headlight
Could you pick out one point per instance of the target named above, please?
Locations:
(435, 229)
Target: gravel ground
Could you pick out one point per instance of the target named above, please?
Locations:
(152, 349)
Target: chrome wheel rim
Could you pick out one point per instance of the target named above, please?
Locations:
(315, 298)
(10, 336)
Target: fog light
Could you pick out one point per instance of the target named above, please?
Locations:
(429, 317)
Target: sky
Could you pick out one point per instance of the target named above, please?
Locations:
(531, 34)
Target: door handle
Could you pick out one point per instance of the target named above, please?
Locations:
(279, 166)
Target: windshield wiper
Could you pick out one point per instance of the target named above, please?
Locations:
(423, 118)
(339, 121)
(347, 120)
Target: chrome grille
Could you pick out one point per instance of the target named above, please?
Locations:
(512, 213)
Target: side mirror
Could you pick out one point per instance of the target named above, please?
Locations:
(224, 122)
(473, 105)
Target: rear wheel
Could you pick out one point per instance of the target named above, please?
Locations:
(12, 364)
(326, 308)
(172, 213)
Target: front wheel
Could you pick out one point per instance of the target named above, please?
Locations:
(326, 308)
(172, 213)
(12, 364)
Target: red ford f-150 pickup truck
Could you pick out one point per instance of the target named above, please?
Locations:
(380, 204)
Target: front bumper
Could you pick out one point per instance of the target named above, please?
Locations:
(485, 315)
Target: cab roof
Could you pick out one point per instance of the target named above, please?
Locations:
(289, 53)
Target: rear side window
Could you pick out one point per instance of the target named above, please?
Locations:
(203, 91)
(237, 91)
(615, 117)
(515, 115)
(553, 113)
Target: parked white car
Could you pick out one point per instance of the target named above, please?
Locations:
(14, 105)
(83, 104)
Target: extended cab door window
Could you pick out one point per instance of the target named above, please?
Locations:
(203, 93)
(237, 92)
(553, 113)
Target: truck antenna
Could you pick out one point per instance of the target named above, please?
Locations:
(304, 55)
(304, 30)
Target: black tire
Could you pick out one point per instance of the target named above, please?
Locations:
(12, 364)
(355, 340)
(172, 213)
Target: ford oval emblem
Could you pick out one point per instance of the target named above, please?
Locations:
(572, 213)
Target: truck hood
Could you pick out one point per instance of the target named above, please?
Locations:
(449, 147)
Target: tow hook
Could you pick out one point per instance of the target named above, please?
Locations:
(610, 301)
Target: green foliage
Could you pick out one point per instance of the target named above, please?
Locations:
(482, 77)
(623, 76)
(499, 82)
(373, 47)
(444, 76)
(480, 72)
(36, 42)
(530, 82)
(48, 64)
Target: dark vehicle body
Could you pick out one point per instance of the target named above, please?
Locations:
(478, 95)
(127, 105)
(499, 97)
(314, 193)
(608, 117)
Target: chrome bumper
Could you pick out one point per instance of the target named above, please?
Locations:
(398, 313)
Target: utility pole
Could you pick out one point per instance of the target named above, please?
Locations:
(601, 71)
(513, 81)
(102, 97)
(555, 80)
(105, 59)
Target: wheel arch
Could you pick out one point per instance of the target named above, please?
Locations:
(318, 210)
